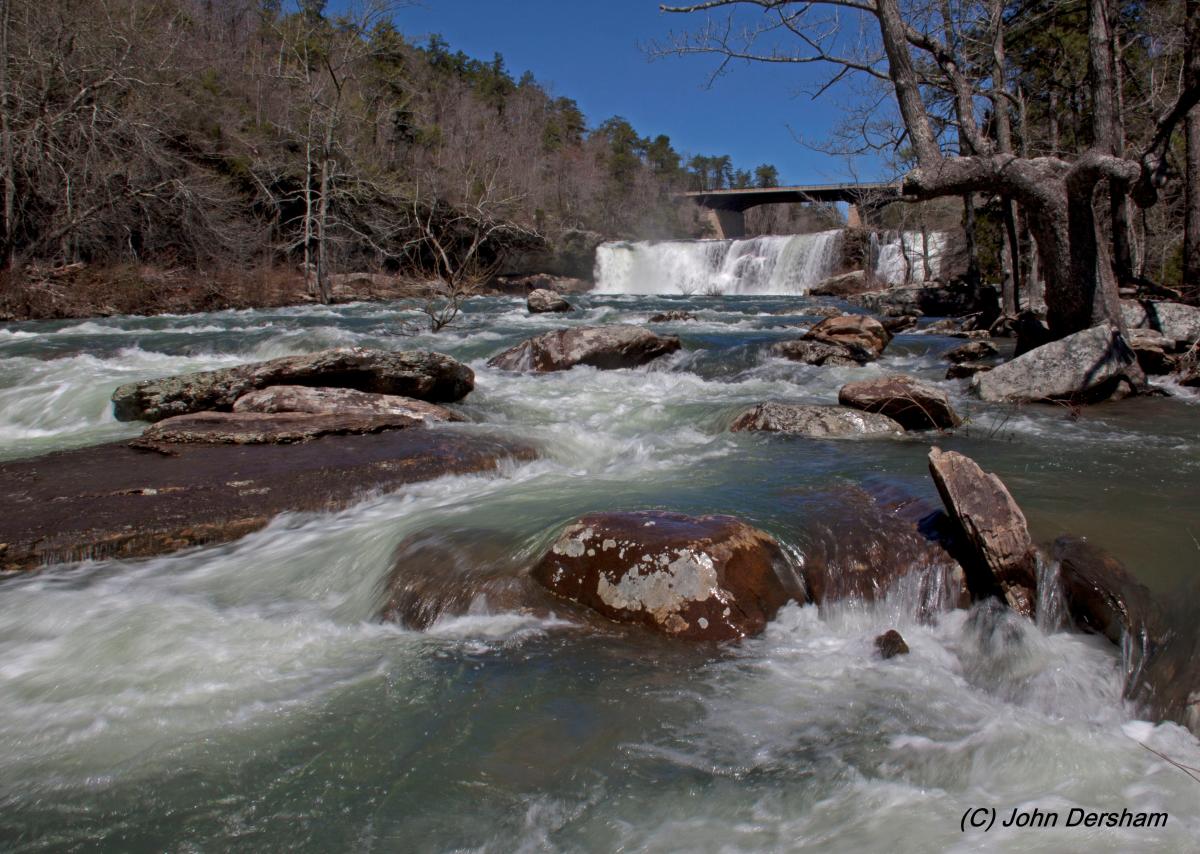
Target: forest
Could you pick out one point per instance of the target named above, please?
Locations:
(225, 135)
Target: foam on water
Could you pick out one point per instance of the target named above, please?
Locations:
(245, 695)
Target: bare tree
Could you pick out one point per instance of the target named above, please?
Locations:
(911, 53)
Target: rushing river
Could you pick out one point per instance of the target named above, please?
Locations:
(247, 697)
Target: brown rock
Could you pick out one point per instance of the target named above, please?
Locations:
(890, 644)
(854, 330)
(111, 501)
(1153, 350)
(972, 352)
(1101, 595)
(701, 578)
(263, 428)
(899, 324)
(966, 369)
(605, 347)
(342, 401)
(414, 373)
(915, 405)
(542, 301)
(822, 353)
(992, 524)
(815, 422)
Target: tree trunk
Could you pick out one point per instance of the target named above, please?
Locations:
(1191, 205)
(968, 224)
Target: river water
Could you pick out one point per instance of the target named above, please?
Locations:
(246, 696)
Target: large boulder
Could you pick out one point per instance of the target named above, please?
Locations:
(1154, 351)
(1175, 320)
(852, 330)
(266, 428)
(114, 501)
(341, 401)
(854, 282)
(701, 578)
(606, 347)
(915, 405)
(815, 422)
(822, 353)
(413, 373)
(542, 301)
(1001, 551)
(1092, 365)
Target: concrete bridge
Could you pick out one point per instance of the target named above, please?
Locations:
(726, 208)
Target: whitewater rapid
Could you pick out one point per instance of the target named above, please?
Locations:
(246, 695)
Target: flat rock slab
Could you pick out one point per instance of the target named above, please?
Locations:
(112, 501)
(341, 401)
(267, 428)
(412, 373)
(815, 422)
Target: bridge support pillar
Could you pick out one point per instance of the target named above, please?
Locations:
(853, 217)
(728, 225)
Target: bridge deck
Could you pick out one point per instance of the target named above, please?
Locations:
(740, 200)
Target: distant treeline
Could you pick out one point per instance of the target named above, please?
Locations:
(219, 133)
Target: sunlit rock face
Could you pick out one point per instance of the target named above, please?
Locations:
(702, 578)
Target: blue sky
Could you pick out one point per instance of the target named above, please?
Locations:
(589, 50)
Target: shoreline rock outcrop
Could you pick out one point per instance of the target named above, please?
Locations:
(604, 347)
(421, 374)
(1089, 366)
(700, 578)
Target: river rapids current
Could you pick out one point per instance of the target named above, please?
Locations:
(247, 697)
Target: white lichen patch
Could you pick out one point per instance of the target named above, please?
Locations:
(608, 544)
(663, 589)
(570, 545)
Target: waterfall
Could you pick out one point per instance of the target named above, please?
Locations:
(889, 255)
(759, 265)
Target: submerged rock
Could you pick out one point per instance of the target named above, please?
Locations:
(890, 644)
(605, 347)
(815, 422)
(1092, 365)
(993, 525)
(343, 401)
(413, 373)
(543, 300)
(1101, 595)
(852, 330)
(112, 501)
(915, 405)
(701, 578)
(972, 352)
(267, 428)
